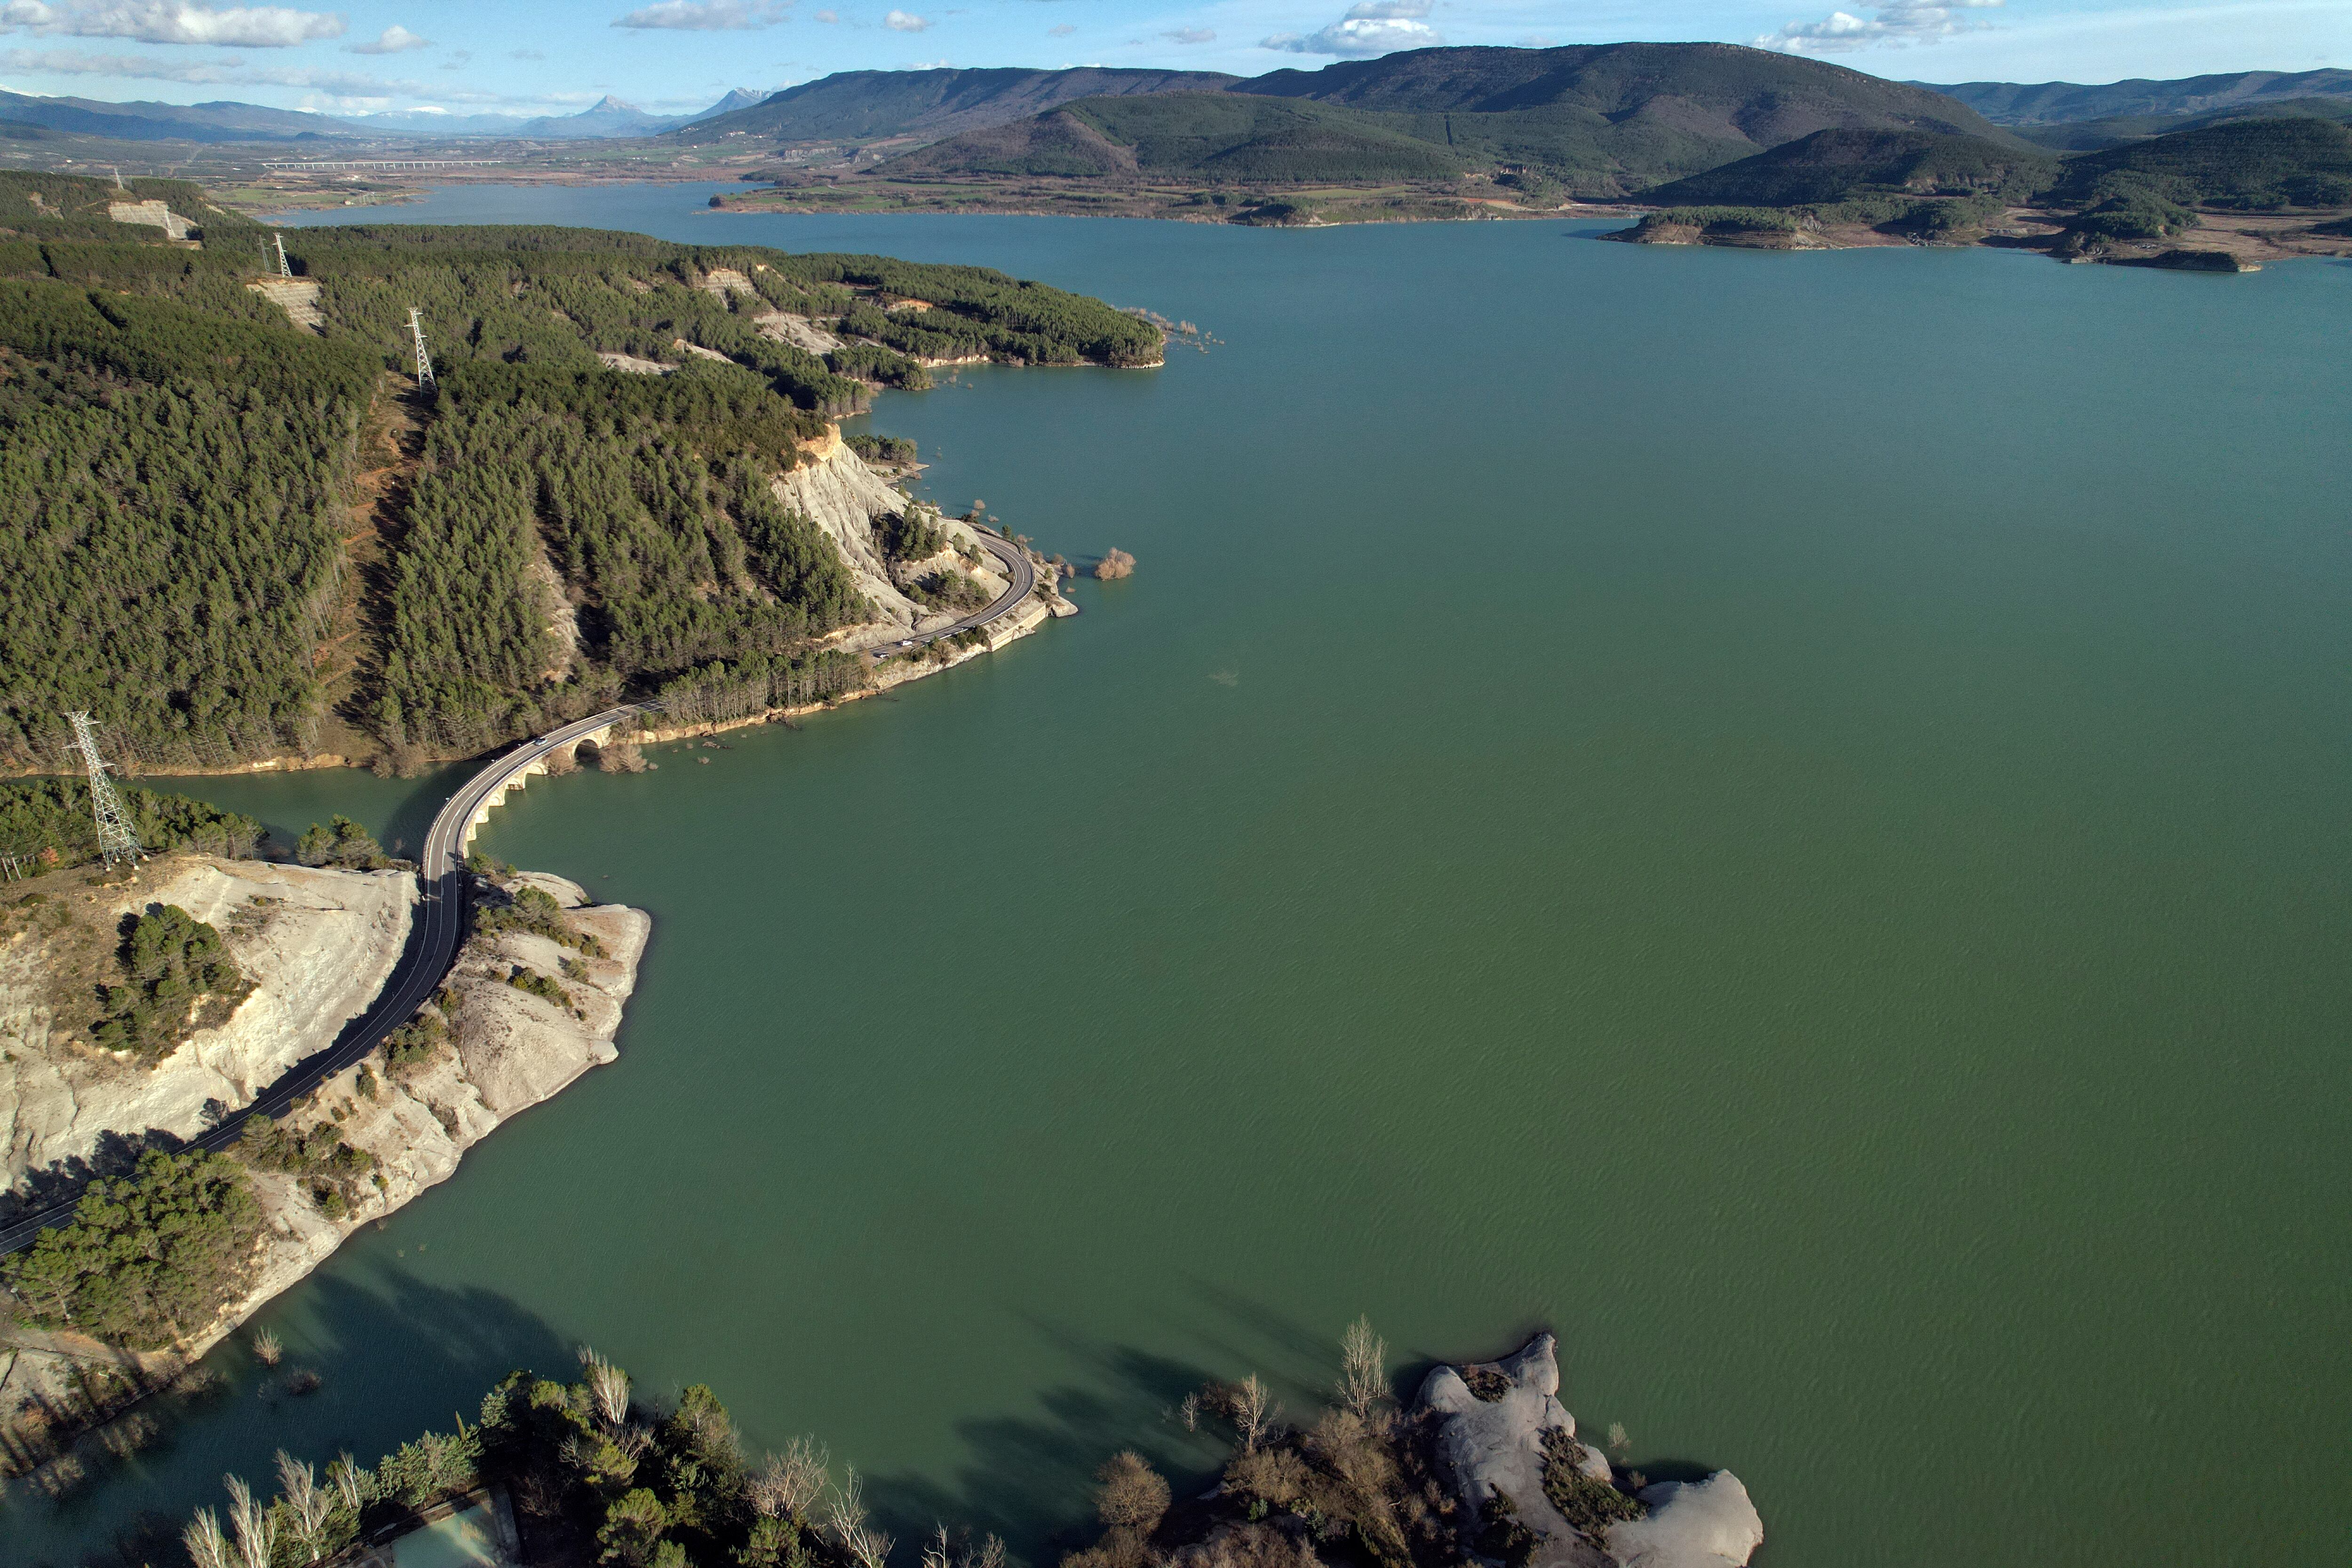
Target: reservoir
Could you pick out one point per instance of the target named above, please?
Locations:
(1783, 817)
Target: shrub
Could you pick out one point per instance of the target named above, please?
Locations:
(1133, 1495)
(1589, 1504)
(413, 1042)
(1116, 564)
(343, 843)
(894, 450)
(545, 986)
(535, 910)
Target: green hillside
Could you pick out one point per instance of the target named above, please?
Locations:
(864, 105)
(1721, 90)
(179, 463)
(1832, 165)
(1209, 136)
(1600, 121)
(2257, 164)
(2098, 135)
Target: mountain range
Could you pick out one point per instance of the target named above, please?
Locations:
(230, 121)
(1617, 114)
(2066, 102)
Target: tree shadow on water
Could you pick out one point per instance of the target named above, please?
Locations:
(1030, 1476)
(396, 1356)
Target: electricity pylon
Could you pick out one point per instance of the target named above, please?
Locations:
(423, 360)
(285, 269)
(116, 839)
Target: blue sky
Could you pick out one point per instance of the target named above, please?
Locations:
(537, 56)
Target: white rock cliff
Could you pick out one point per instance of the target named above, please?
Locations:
(318, 946)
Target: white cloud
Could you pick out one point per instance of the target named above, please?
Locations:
(906, 21)
(1376, 27)
(1895, 24)
(1537, 41)
(202, 73)
(828, 17)
(1190, 36)
(707, 16)
(172, 22)
(458, 61)
(525, 55)
(395, 40)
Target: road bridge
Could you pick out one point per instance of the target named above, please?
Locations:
(440, 922)
(433, 938)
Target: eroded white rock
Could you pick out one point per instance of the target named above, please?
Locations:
(1498, 1445)
(1692, 1524)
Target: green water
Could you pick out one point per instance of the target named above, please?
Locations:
(1781, 816)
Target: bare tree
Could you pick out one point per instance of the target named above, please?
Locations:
(846, 1520)
(343, 1475)
(208, 1547)
(608, 1386)
(793, 1480)
(267, 1348)
(1252, 1411)
(1189, 1412)
(936, 1552)
(1364, 1373)
(306, 1501)
(844, 1506)
(249, 1520)
(868, 1548)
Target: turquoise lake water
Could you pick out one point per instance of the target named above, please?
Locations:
(1781, 816)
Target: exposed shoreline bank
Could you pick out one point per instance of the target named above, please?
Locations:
(495, 1049)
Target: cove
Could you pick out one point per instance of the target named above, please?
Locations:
(1779, 815)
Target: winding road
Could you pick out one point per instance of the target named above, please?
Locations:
(433, 939)
(440, 923)
(1021, 575)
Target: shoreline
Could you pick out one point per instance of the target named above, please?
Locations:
(506, 1052)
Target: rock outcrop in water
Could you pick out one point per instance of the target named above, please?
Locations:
(1500, 1425)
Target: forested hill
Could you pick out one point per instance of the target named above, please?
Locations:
(230, 536)
(1602, 120)
(860, 106)
(1831, 165)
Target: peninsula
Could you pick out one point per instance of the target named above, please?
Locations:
(591, 493)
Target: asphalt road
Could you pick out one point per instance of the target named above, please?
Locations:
(1020, 571)
(433, 939)
(440, 920)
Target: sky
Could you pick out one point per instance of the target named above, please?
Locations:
(534, 56)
